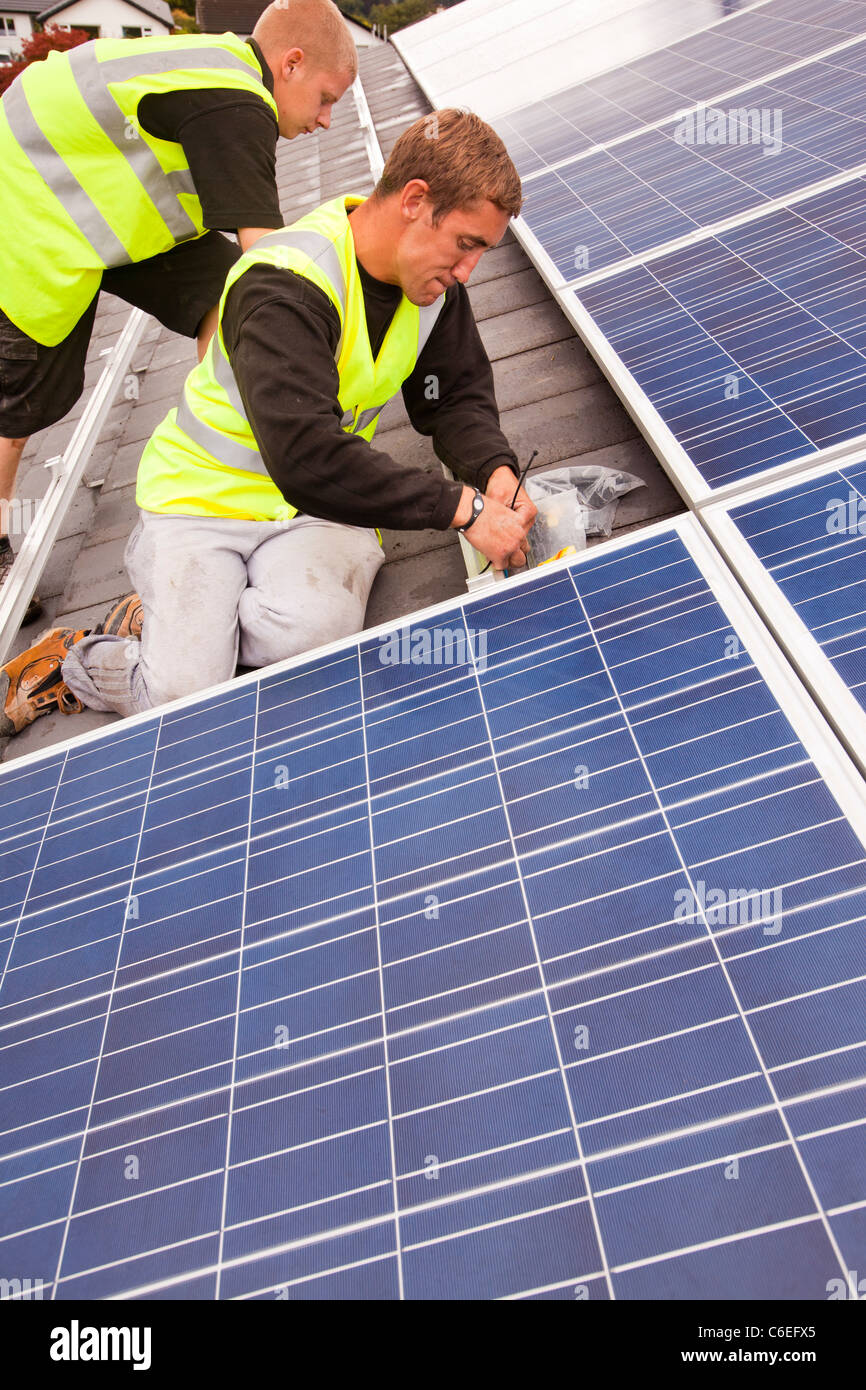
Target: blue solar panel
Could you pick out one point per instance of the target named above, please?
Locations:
(669, 182)
(533, 975)
(744, 47)
(812, 539)
(751, 345)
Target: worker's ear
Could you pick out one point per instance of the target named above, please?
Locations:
(413, 199)
(291, 60)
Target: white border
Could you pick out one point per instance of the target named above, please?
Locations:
(817, 672)
(829, 756)
(375, 157)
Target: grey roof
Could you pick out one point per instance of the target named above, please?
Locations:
(18, 7)
(216, 16)
(236, 16)
(157, 9)
(551, 395)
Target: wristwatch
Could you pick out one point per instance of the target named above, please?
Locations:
(477, 509)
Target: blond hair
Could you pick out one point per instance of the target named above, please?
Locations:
(459, 157)
(316, 26)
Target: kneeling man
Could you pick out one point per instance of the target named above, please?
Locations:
(261, 494)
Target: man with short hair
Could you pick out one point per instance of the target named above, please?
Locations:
(123, 161)
(261, 493)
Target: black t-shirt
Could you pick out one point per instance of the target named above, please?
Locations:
(229, 138)
(281, 332)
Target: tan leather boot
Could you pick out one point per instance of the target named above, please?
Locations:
(125, 619)
(32, 684)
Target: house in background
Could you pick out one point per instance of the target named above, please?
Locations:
(239, 17)
(16, 24)
(111, 19)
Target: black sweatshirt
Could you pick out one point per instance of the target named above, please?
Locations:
(229, 138)
(281, 333)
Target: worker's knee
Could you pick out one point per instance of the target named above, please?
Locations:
(269, 635)
(175, 680)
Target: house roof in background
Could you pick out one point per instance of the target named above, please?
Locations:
(18, 7)
(157, 9)
(239, 16)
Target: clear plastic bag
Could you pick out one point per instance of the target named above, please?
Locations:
(574, 503)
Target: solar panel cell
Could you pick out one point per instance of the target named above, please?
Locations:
(425, 980)
(811, 539)
(749, 344)
(701, 68)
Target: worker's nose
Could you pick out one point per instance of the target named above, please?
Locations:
(324, 117)
(465, 266)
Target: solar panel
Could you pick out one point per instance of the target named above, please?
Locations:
(701, 168)
(500, 54)
(748, 346)
(513, 953)
(801, 550)
(702, 68)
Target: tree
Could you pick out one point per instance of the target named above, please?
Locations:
(38, 46)
(404, 12)
(184, 22)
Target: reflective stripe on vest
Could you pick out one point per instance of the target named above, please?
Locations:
(92, 79)
(228, 451)
(203, 458)
(60, 178)
(85, 185)
(426, 319)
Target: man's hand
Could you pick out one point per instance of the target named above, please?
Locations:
(499, 533)
(501, 486)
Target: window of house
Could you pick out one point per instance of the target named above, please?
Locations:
(7, 25)
(91, 30)
(132, 31)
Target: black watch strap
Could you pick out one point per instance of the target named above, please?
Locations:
(477, 509)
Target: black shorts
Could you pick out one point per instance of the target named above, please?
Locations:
(39, 384)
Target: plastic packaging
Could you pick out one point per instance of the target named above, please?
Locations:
(574, 503)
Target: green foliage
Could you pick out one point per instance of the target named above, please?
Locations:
(184, 22)
(404, 12)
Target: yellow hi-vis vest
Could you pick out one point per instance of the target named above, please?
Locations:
(84, 186)
(202, 459)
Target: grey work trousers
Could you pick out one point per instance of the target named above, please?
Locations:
(215, 591)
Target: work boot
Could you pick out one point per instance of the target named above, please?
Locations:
(32, 684)
(7, 557)
(124, 619)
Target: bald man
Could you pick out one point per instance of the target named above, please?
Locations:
(123, 162)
